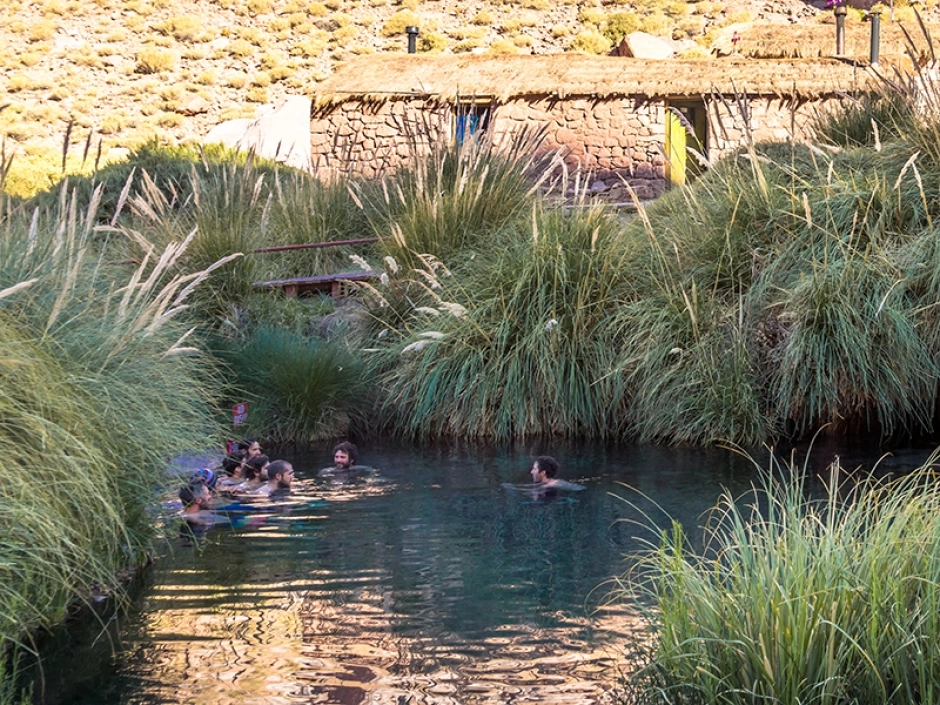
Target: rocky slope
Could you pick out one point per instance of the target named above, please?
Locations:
(128, 70)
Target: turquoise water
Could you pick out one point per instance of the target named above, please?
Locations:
(427, 583)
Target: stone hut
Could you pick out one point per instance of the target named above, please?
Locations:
(646, 123)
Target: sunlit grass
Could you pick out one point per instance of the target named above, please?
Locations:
(100, 387)
(798, 600)
(520, 341)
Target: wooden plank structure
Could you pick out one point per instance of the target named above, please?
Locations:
(336, 285)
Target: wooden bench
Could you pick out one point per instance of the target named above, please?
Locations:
(332, 284)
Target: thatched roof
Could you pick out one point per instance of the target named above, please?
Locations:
(379, 78)
(764, 41)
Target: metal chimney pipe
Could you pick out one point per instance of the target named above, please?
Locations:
(412, 33)
(840, 12)
(875, 36)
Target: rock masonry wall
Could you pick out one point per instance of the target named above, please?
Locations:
(612, 142)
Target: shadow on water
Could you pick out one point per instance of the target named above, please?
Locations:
(428, 582)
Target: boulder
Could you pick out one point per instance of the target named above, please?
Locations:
(282, 134)
(195, 106)
(641, 45)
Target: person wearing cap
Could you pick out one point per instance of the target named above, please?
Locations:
(207, 477)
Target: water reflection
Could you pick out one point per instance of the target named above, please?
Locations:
(427, 583)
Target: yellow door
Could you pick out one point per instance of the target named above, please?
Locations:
(676, 154)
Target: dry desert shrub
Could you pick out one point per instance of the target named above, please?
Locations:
(432, 43)
(282, 73)
(259, 7)
(484, 18)
(343, 36)
(19, 82)
(503, 47)
(182, 29)
(396, 24)
(592, 16)
(657, 24)
(257, 94)
(278, 24)
(240, 48)
(42, 31)
(152, 60)
(590, 41)
(467, 45)
(236, 80)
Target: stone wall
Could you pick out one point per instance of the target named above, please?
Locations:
(768, 119)
(610, 143)
(372, 139)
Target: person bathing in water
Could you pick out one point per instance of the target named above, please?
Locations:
(345, 457)
(280, 476)
(544, 470)
(545, 483)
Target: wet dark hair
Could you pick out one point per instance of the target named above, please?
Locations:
(278, 467)
(547, 464)
(245, 443)
(350, 450)
(254, 465)
(233, 460)
(190, 492)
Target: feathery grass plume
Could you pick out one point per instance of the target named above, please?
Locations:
(92, 406)
(797, 599)
(455, 196)
(221, 222)
(783, 335)
(525, 343)
(303, 389)
(169, 167)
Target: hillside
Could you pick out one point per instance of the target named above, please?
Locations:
(129, 70)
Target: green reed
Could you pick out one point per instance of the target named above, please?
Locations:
(301, 388)
(517, 341)
(796, 599)
(784, 290)
(454, 197)
(100, 386)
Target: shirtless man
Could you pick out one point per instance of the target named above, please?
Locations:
(280, 476)
(544, 470)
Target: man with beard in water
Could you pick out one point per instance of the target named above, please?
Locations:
(345, 456)
(280, 476)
